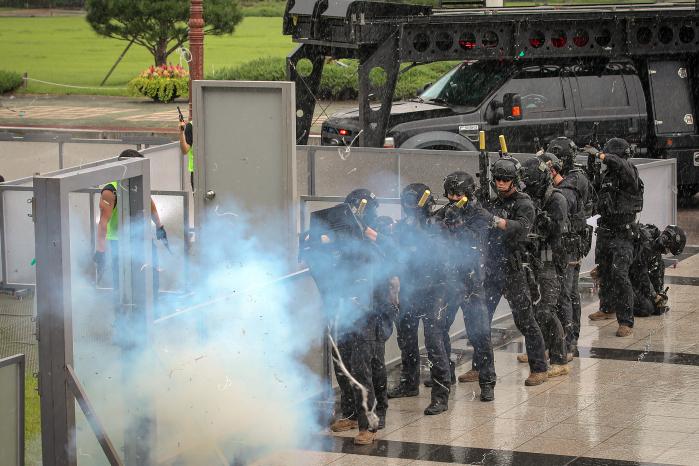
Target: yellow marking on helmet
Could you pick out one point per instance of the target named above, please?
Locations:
(462, 202)
(481, 140)
(423, 199)
(503, 144)
(362, 206)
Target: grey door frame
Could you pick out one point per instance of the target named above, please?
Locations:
(54, 292)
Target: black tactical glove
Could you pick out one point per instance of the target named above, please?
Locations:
(99, 261)
(543, 221)
(452, 216)
(160, 233)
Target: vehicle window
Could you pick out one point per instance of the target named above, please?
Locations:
(603, 87)
(468, 84)
(604, 91)
(540, 88)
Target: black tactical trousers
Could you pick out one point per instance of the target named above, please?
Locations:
(643, 306)
(369, 369)
(345, 345)
(471, 299)
(510, 280)
(407, 326)
(429, 305)
(549, 289)
(569, 304)
(614, 254)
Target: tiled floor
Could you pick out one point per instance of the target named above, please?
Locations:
(616, 406)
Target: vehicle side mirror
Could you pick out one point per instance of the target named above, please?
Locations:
(512, 107)
(494, 113)
(424, 88)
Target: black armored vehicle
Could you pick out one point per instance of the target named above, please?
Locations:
(532, 74)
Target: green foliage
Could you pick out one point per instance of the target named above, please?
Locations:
(340, 78)
(43, 46)
(9, 81)
(162, 83)
(159, 26)
(264, 8)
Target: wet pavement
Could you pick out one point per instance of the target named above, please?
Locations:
(627, 401)
(78, 112)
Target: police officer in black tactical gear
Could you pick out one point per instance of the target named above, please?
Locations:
(347, 268)
(578, 191)
(423, 292)
(547, 258)
(620, 199)
(465, 223)
(648, 269)
(374, 319)
(505, 270)
(417, 273)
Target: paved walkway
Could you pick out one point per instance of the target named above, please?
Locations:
(108, 113)
(628, 401)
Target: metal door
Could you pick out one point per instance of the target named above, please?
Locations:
(671, 97)
(244, 144)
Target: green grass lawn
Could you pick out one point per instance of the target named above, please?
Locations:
(65, 50)
(32, 423)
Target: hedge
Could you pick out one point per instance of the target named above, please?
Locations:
(340, 77)
(9, 81)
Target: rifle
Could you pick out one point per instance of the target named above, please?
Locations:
(180, 112)
(537, 145)
(483, 166)
(593, 165)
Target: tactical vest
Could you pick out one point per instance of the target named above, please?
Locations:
(190, 156)
(618, 205)
(113, 224)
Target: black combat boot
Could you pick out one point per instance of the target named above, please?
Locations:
(403, 391)
(487, 393)
(437, 406)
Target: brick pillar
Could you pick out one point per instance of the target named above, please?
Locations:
(196, 45)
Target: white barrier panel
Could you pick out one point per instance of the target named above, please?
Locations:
(333, 171)
(167, 174)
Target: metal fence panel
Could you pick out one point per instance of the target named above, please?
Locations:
(19, 237)
(12, 411)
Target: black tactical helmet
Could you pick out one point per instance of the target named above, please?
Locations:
(412, 194)
(565, 150)
(673, 239)
(562, 147)
(555, 162)
(355, 198)
(130, 153)
(617, 146)
(535, 176)
(459, 183)
(505, 168)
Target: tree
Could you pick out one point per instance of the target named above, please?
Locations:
(158, 25)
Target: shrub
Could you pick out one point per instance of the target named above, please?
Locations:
(9, 81)
(340, 77)
(161, 83)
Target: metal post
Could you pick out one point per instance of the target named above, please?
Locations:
(3, 244)
(196, 45)
(60, 155)
(53, 302)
